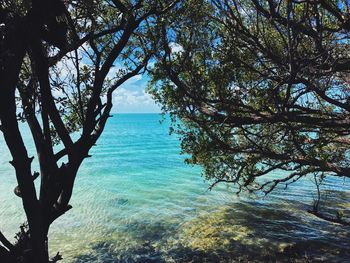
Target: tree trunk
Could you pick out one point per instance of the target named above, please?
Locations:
(11, 62)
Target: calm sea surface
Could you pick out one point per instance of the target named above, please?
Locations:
(136, 201)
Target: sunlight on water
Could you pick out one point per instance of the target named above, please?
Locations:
(136, 201)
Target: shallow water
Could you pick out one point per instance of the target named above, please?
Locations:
(136, 201)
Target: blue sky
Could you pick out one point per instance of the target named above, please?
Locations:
(131, 97)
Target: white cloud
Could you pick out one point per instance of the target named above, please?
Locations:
(57, 93)
(124, 96)
(176, 48)
(125, 100)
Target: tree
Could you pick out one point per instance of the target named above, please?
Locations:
(260, 86)
(60, 64)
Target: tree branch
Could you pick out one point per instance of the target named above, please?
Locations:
(6, 243)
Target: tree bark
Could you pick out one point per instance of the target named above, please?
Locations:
(14, 52)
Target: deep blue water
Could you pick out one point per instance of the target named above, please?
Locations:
(136, 201)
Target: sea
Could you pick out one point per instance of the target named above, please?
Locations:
(136, 200)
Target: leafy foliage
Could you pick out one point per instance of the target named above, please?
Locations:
(259, 86)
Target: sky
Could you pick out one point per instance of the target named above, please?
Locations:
(131, 97)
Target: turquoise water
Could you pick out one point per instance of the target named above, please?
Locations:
(136, 201)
